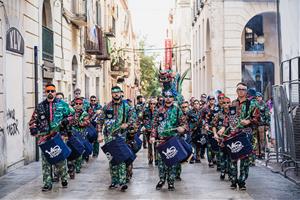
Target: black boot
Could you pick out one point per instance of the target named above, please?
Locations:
(171, 187)
(222, 177)
(160, 184)
(233, 186)
(46, 188)
(124, 187)
(112, 186)
(64, 184)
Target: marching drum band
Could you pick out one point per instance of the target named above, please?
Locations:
(230, 134)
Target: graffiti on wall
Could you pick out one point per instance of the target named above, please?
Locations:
(1, 130)
(12, 123)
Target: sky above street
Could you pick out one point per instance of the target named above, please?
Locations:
(150, 19)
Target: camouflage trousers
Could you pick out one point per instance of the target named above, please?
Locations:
(61, 168)
(78, 164)
(211, 154)
(241, 176)
(224, 161)
(165, 172)
(118, 173)
(254, 143)
(199, 150)
(96, 148)
(178, 170)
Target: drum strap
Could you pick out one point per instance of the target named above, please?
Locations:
(124, 120)
(247, 106)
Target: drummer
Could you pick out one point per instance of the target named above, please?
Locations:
(209, 113)
(116, 118)
(243, 114)
(217, 124)
(51, 110)
(167, 123)
(195, 124)
(147, 119)
(78, 121)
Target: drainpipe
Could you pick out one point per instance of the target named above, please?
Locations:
(61, 32)
(36, 96)
(279, 39)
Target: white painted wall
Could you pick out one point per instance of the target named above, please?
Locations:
(290, 26)
(182, 37)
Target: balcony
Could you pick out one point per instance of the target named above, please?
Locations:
(117, 67)
(78, 13)
(94, 41)
(48, 48)
(105, 55)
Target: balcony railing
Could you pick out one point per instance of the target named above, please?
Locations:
(48, 47)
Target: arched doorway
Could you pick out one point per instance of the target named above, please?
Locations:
(260, 53)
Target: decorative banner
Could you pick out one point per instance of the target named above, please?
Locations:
(168, 54)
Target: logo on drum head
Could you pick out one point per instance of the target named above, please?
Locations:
(202, 140)
(232, 111)
(235, 147)
(109, 156)
(54, 151)
(171, 152)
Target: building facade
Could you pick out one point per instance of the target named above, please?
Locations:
(234, 41)
(180, 18)
(75, 42)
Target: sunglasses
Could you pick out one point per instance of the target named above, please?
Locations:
(78, 104)
(152, 103)
(183, 107)
(77, 93)
(211, 99)
(93, 100)
(221, 98)
(52, 91)
(169, 96)
(226, 102)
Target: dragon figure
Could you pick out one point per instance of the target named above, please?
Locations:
(172, 81)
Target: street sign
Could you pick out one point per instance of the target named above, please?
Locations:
(14, 41)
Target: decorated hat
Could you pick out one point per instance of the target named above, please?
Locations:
(258, 94)
(116, 89)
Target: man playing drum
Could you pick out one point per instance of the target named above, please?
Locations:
(243, 114)
(44, 123)
(167, 123)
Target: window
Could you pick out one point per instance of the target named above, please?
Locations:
(254, 35)
(259, 76)
(98, 7)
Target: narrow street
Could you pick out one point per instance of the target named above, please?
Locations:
(198, 182)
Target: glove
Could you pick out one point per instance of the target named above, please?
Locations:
(33, 131)
(65, 122)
